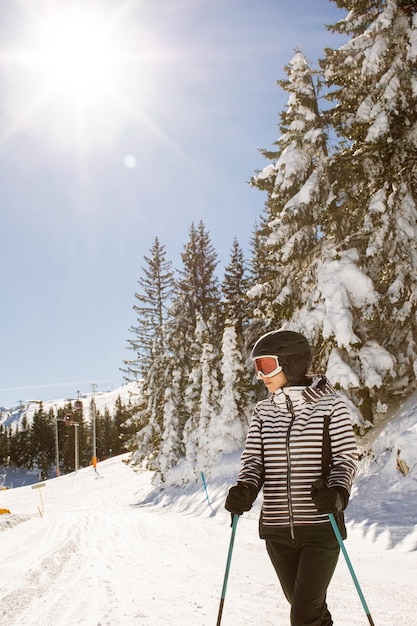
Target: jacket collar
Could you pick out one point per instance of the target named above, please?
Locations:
(319, 387)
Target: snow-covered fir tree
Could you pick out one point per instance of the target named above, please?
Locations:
(195, 323)
(237, 313)
(42, 441)
(171, 448)
(149, 345)
(297, 186)
(372, 81)
(228, 426)
(151, 307)
(203, 395)
(234, 287)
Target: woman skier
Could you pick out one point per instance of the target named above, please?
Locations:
(285, 453)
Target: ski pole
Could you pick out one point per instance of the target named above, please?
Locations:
(205, 489)
(349, 564)
(226, 574)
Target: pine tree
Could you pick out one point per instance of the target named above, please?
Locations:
(197, 290)
(153, 301)
(4, 446)
(236, 371)
(373, 217)
(171, 448)
(297, 185)
(21, 444)
(234, 288)
(157, 284)
(203, 401)
(121, 416)
(196, 307)
(228, 426)
(261, 263)
(106, 436)
(261, 272)
(43, 444)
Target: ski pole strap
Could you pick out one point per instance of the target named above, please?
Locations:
(349, 564)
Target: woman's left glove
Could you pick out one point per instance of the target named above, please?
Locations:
(328, 499)
(240, 498)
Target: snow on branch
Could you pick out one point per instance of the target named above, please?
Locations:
(342, 285)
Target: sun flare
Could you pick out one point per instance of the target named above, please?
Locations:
(75, 75)
(78, 57)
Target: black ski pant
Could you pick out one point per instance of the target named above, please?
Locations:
(305, 566)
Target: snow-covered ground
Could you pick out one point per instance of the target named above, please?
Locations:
(108, 548)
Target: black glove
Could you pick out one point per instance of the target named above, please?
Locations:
(328, 499)
(240, 498)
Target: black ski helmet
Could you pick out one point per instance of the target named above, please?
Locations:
(291, 348)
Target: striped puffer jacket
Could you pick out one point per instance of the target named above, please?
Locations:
(283, 452)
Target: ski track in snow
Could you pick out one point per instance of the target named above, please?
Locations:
(111, 550)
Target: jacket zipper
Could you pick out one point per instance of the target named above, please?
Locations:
(290, 407)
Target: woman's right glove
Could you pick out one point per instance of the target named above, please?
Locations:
(240, 498)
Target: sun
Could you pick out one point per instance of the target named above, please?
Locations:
(76, 74)
(78, 57)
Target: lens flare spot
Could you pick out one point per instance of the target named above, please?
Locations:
(130, 161)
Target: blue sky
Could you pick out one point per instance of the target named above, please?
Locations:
(95, 165)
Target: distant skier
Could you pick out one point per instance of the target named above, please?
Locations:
(284, 455)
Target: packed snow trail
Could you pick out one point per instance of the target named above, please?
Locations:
(110, 550)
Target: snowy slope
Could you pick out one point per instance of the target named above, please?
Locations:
(112, 549)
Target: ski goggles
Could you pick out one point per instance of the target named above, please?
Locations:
(266, 366)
